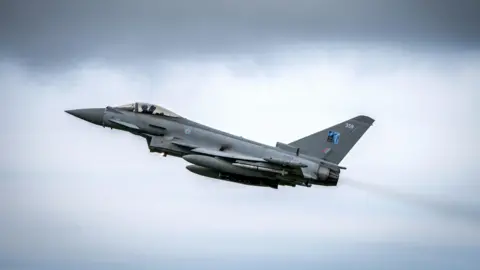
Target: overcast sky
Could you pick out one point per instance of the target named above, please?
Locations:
(76, 196)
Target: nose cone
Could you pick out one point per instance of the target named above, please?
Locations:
(94, 116)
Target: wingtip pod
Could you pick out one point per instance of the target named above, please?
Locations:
(364, 119)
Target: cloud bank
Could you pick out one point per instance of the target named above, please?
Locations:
(73, 195)
(80, 195)
(52, 32)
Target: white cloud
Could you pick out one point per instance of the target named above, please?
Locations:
(114, 192)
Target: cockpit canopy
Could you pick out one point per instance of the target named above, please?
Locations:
(146, 108)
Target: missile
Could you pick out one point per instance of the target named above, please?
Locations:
(281, 162)
(260, 168)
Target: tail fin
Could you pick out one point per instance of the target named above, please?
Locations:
(334, 143)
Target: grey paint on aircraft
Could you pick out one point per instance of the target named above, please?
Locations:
(312, 160)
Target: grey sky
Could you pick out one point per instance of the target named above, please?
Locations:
(73, 195)
(52, 32)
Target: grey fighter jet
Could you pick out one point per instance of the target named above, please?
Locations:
(312, 160)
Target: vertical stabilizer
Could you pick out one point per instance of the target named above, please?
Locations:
(334, 143)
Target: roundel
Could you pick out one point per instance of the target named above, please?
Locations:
(188, 130)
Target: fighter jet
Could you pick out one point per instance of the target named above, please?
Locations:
(311, 160)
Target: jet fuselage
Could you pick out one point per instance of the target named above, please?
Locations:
(214, 153)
